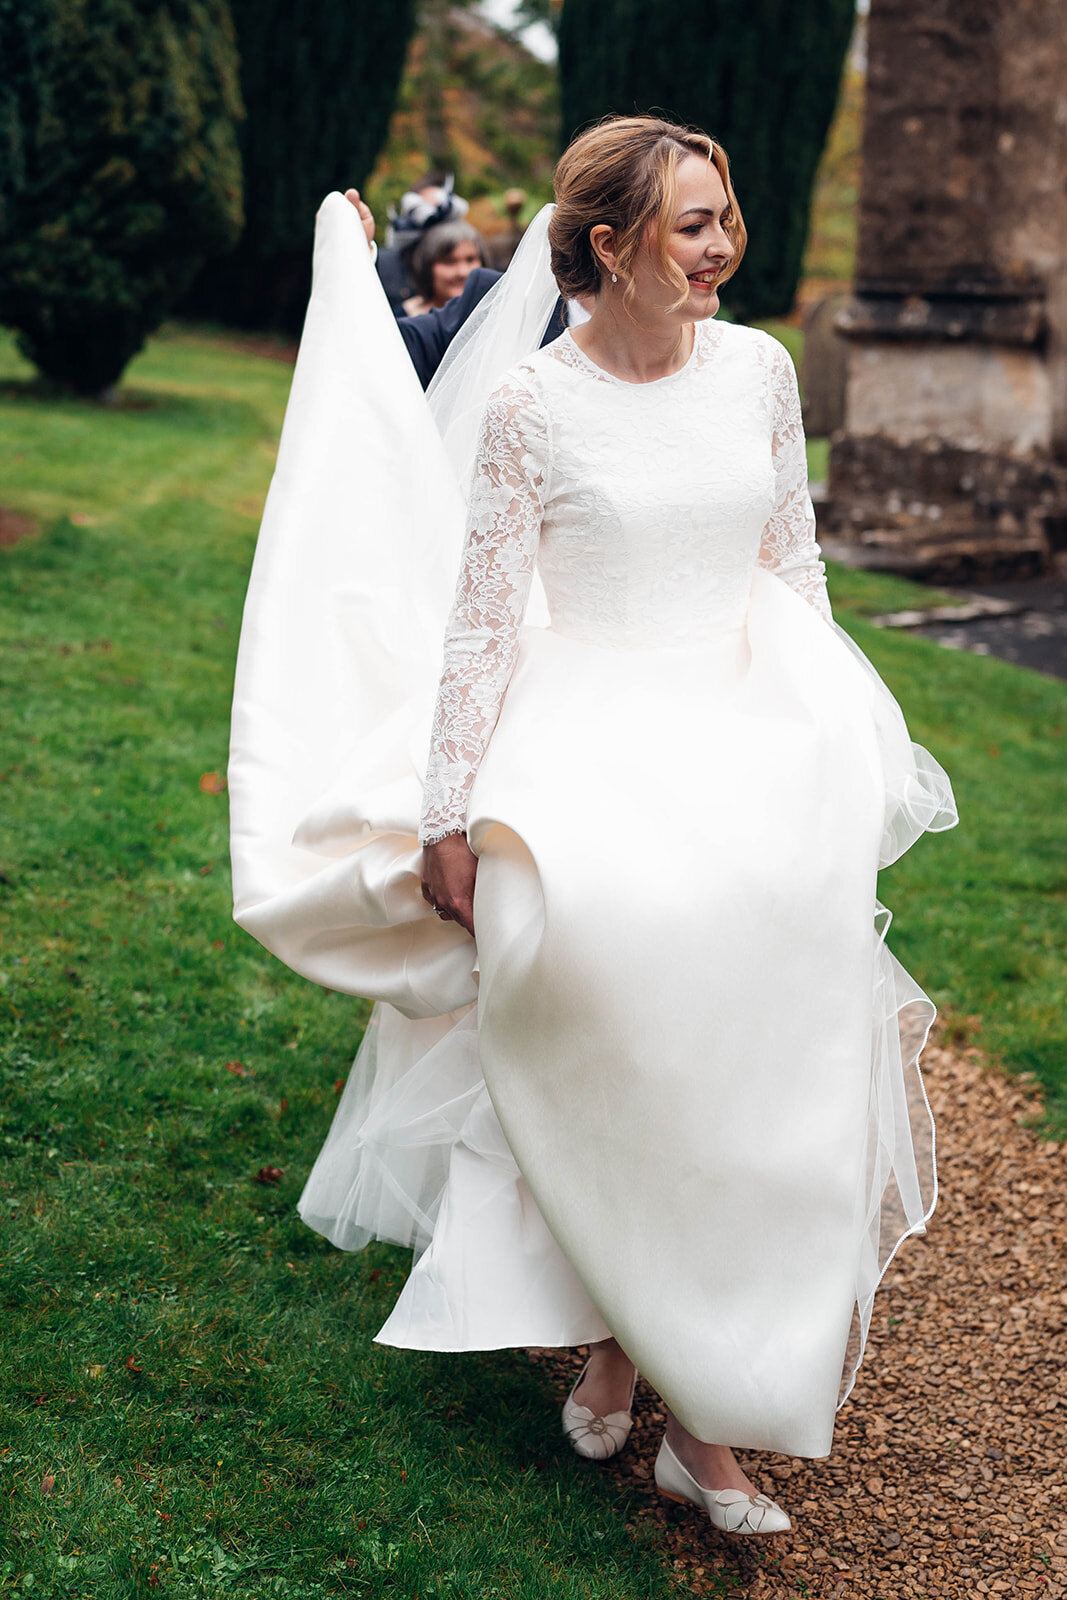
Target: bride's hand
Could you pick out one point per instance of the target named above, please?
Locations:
(366, 215)
(448, 871)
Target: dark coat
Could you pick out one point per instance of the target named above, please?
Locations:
(428, 336)
(394, 275)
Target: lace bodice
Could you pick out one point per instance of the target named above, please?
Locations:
(645, 508)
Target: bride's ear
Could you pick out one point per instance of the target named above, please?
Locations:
(602, 244)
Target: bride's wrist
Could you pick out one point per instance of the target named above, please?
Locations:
(433, 836)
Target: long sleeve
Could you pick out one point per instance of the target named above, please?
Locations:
(482, 637)
(788, 547)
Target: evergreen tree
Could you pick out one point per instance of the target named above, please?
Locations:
(119, 171)
(319, 79)
(762, 76)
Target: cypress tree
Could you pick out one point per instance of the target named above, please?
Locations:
(762, 76)
(119, 172)
(319, 80)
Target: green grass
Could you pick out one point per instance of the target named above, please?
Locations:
(980, 911)
(188, 1362)
(874, 594)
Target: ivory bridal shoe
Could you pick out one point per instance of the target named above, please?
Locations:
(593, 1436)
(730, 1510)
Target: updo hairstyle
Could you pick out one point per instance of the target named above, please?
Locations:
(623, 173)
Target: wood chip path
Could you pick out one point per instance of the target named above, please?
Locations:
(949, 1473)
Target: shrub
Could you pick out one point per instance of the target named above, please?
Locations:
(319, 80)
(119, 172)
(760, 76)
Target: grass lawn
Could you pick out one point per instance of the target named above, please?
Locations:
(193, 1405)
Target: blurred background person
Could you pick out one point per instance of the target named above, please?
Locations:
(441, 263)
(425, 205)
(428, 334)
(502, 246)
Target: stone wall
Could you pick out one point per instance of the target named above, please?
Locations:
(953, 454)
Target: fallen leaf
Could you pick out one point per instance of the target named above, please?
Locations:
(339, 1085)
(131, 1365)
(269, 1175)
(238, 1068)
(212, 782)
(48, 1483)
(210, 866)
(284, 1106)
(94, 1371)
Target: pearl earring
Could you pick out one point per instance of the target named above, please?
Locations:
(614, 277)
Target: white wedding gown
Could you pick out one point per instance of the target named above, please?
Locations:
(674, 1091)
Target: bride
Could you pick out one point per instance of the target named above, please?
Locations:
(642, 1073)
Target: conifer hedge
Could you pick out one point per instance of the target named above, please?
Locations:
(119, 172)
(319, 80)
(762, 76)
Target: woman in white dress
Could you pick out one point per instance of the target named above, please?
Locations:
(676, 1113)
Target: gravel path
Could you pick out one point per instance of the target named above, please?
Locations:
(949, 1471)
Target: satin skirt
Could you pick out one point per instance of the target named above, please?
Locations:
(686, 1106)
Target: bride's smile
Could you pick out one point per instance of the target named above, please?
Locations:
(649, 298)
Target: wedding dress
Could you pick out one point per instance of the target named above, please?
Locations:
(672, 1092)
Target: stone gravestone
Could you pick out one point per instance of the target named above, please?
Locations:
(952, 458)
(823, 368)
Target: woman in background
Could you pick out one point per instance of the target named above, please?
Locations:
(441, 263)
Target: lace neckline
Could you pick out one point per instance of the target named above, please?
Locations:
(568, 347)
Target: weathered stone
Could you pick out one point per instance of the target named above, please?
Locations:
(975, 395)
(823, 369)
(992, 319)
(952, 456)
(931, 507)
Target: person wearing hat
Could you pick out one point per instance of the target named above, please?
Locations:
(429, 203)
(429, 334)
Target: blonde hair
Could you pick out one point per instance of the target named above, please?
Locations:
(623, 173)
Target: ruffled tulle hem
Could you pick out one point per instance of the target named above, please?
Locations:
(416, 1116)
(899, 1191)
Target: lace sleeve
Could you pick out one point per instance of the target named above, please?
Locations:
(788, 547)
(482, 637)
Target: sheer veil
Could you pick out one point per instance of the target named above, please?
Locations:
(508, 324)
(505, 327)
